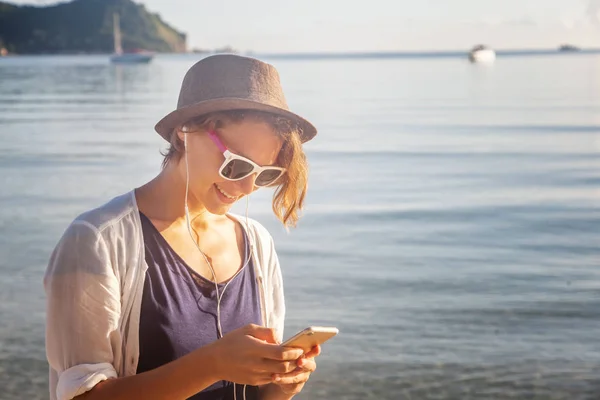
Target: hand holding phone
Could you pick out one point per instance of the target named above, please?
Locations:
(310, 337)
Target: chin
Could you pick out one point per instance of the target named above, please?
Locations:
(218, 209)
(217, 203)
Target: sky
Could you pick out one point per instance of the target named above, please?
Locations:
(289, 26)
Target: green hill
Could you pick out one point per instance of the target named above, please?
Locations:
(84, 26)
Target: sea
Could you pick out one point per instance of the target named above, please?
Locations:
(451, 230)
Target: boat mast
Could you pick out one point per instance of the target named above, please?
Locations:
(117, 34)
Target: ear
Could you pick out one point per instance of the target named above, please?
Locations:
(181, 131)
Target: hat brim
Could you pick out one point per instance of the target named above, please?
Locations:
(165, 126)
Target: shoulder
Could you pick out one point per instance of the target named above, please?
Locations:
(94, 237)
(259, 235)
(119, 210)
(261, 241)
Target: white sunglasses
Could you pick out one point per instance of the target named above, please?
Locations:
(236, 167)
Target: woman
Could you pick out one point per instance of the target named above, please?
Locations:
(161, 293)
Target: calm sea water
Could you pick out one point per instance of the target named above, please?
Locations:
(451, 232)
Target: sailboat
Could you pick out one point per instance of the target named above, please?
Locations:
(130, 57)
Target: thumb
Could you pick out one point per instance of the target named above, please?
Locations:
(262, 333)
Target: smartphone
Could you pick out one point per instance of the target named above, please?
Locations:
(308, 338)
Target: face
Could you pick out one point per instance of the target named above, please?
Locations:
(254, 140)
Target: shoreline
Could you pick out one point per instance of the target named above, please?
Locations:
(339, 55)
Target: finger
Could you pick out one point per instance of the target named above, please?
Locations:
(265, 379)
(261, 333)
(259, 380)
(307, 364)
(278, 367)
(314, 352)
(296, 377)
(275, 352)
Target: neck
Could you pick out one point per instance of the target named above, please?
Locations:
(163, 199)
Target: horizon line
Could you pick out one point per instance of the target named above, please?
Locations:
(383, 53)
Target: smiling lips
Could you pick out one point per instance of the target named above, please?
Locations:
(225, 194)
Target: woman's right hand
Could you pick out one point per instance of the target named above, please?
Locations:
(250, 355)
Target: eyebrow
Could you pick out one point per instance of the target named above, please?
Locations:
(242, 154)
(234, 149)
(239, 153)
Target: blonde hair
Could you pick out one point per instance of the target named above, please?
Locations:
(290, 192)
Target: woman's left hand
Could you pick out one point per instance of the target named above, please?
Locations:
(293, 382)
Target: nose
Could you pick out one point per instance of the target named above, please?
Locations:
(247, 184)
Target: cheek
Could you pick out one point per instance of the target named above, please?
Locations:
(204, 171)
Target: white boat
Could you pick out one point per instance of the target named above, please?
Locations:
(130, 57)
(482, 54)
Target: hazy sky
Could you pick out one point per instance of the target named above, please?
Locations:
(379, 25)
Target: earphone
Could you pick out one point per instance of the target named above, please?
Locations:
(214, 275)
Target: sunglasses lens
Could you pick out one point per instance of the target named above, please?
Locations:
(237, 169)
(267, 177)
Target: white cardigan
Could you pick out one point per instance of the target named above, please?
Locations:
(94, 284)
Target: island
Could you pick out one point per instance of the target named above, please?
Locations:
(84, 27)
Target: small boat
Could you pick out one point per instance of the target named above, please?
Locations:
(132, 57)
(482, 54)
(136, 56)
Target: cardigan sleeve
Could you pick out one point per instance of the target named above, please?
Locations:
(82, 310)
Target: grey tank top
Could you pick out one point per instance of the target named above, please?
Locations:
(179, 310)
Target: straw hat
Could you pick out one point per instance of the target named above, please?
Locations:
(230, 82)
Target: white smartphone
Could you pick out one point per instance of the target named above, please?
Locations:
(308, 338)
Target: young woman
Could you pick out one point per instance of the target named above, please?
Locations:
(162, 293)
